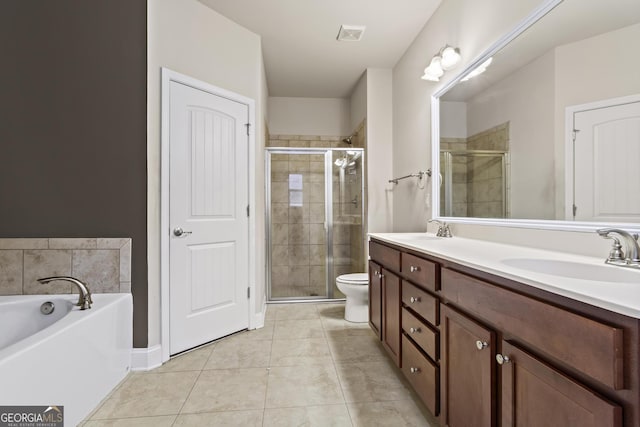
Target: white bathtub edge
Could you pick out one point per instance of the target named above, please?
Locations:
(146, 359)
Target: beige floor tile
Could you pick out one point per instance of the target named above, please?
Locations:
(296, 329)
(191, 361)
(164, 421)
(227, 390)
(371, 382)
(312, 416)
(233, 353)
(148, 394)
(259, 334)
(401, 413)
(219, 419)
(300, 352)
(356, 348)
(295, 311)
(295, 386)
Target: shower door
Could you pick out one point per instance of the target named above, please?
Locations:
(314, 221)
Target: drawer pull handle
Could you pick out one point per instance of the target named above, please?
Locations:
(414, 330)
(414, 299)
(502, 359)
(481, 345)
(414, 370)
(414, 269)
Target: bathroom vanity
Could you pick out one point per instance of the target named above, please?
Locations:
(498, 335)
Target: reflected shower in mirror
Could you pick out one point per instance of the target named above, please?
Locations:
(551, 129)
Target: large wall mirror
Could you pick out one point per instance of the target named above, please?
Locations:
(544, 128)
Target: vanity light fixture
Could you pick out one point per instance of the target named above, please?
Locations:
(479, 70)
(447, 58)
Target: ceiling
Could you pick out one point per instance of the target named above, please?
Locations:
(301, 54)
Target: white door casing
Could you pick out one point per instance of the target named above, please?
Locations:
(206, 292)
(606, 151)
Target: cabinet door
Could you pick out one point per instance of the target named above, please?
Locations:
(375, 297)
(467, 371)
(391, 314)
(535, 394)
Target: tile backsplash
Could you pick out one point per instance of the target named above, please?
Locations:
(104, 264)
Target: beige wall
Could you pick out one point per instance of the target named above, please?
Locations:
(188, 37)
(358, 103)
(309, 116)
(524, 99)
(379, 150)
(472, 26)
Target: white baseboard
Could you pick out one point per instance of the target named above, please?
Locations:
(258, 318)
(145, 359)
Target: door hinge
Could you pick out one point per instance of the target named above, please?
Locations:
(574, 134)
(248, 125)
(247, 210)
(575, 209)
(248, 292)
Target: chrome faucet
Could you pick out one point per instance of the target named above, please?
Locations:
(443, 228)
(630, 257)
(84, 301)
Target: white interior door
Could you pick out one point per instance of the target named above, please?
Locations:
(208, 198)
(607, 155)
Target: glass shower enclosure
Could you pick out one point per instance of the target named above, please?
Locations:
(315, 229)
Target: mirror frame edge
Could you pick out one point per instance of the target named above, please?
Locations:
(558, 225)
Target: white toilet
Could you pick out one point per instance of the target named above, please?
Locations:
(355, 287)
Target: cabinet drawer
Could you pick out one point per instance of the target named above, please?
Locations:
(388, 257)
(422, 374)
(589, 346)
(421, 302)
(420, 271)
(422, 334)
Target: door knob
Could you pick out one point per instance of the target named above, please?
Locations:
(414, 299)
(179, 232)
(414, 269)
(414, 370)
(480, 345)
(414, 330)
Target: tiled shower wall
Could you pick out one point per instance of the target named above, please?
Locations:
(298, 250)
(477, 180)
(104, 264)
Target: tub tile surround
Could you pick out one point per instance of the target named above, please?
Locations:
(103, 263)
(277, 379)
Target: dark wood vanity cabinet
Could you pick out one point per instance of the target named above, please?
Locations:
(375, 297)
(468, 371)
(482, 350)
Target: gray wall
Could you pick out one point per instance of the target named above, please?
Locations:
(73, 156)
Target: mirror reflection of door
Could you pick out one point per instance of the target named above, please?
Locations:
(607, 163)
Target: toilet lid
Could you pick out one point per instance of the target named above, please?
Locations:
(354, 278)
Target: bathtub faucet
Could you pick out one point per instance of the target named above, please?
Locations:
(84, 301)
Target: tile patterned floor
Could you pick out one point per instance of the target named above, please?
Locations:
(306, 367)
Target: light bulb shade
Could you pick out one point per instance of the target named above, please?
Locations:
(478, 70)
(450, 57)
(434, 71)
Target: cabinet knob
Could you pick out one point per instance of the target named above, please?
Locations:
(414, 299)
(502, 359)
(414, 370)
(481, 345)
(414, 330)
(413, 269)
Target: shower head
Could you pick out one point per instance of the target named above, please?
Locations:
(347, 140)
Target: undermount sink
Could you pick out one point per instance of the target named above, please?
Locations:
(576, 270)
(420, 237)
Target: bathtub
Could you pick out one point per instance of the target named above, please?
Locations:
(70, 357)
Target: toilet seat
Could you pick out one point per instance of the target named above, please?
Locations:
(354, 279)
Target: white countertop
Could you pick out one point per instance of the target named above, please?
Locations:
(590, 285)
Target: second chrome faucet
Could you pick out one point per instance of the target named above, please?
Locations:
(627, 257)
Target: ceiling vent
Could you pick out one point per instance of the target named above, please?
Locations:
(350, 33)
